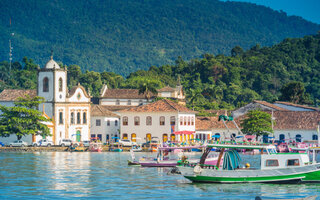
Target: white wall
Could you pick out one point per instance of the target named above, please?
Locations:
(111, 130)
(123, 102)
(306, 134)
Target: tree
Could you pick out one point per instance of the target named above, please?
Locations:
(148, 87)
(294, 92)
(257, 123)
(23, 119)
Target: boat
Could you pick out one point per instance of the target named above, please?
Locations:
(163, 158)
(275, 167)
(95, 147)
(133, 161)
(136, 148)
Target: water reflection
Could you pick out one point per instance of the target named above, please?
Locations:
(66, 175)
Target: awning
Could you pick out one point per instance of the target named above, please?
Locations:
(183, 132)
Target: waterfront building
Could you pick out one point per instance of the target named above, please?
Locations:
(104, 124)
(69, 109)
(173, 93)
(163, 119)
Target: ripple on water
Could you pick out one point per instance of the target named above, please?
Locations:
(65, 175)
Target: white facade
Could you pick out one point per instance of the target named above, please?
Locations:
(305, 135)
(105, 128)
(71, 112)
(123, 102)
(162, 125)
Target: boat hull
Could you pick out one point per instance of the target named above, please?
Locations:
(309, 173)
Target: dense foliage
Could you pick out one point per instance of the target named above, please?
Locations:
(288, 71)
(23, 119)
(257, 123)
(124, 36)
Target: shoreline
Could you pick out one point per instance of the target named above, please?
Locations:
(58, 149)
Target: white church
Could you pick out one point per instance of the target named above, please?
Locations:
(68, 109)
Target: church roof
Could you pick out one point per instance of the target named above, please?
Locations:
(51, 64)
(98, 110)
(13, 94)
(163, 105)
(74, 89)
(124, 94)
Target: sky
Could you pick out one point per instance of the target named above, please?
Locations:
(307, 9)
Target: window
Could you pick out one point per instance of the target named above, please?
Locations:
(98, 122)
(165, 137)
(134, 137)
(298, 138)
(116, 123)
(117, 102)
(140, 102)
(272, 163)
(281, 137)
(192, 121)
(172, 137)
(293, 162)
(216, 136)
(181, 121)
(162, 121)
(125, 121)
(78, 118)
(60, 85)
(314, 137)
(107, 138)
(45, 84)
(149, 121)
(60, 117)
(172, 121)
(100, 137)
(185, 121)
(148, 137)
(72, 118)
(189, 121)
(136, 121)
(125, 136)
(84, 117)
(108, 122)
(129, 102)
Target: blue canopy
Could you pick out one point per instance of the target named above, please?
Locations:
(216, 136)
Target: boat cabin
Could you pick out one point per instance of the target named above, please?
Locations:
(284, 160)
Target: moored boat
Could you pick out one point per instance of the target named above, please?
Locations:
(275, 167)
(95, 147)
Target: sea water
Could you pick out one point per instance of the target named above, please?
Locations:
(106, 175)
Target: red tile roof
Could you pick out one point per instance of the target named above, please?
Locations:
(13, 94)
(297, 105)
(284, 120)
(296, 120)
(167, 89)
(97, 110)
(124, 94)
(270, 105)
(164, 105)
(209, 123)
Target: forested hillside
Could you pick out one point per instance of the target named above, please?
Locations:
(124, 36)
(210, 82)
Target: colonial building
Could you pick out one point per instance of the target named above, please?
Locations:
(70, 110)
(163, 119)
(118, 99)
(104, 124)
(173, 93)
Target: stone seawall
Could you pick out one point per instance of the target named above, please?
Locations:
(55, 149)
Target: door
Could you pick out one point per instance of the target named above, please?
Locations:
(165, 137)
(78, 136)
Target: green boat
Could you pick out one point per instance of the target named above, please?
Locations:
(275, 167)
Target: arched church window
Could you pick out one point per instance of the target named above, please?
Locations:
(60, 84)
(60, 117)
(78, 118)
(84, 117)
(45, 84)
(72, 118)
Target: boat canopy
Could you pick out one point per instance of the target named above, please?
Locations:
(231, 160)
(185, 147)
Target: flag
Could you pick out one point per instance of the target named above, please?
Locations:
(172, 128)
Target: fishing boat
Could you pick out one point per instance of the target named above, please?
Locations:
(163, 159)
(95, 147)
(275, 167)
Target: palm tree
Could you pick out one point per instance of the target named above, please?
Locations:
(148, 87)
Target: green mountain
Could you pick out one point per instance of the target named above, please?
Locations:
(125, 35)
